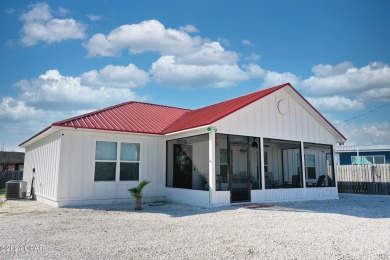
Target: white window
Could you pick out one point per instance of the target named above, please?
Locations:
(117, 161)
(310, 165)
(223, 161)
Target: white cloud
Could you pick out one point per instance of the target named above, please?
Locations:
(37, 12)
(273, 78)
(247, 42)
(345, 79)
(94, 18)
(329, 70)
(52, 97)
(367, 134)
(62, 11)
(52, 90)
(137, 38)
(167, 72)
(189, 28)
(184, 61)
(253, 57)
(116, 76)
(16, 110)
(39, 25)
(20, 121)
(224, 41)
(376, 95)
(336, 103)
(209, 53)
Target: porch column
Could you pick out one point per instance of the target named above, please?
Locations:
(303, 164)
(335, 176)
(212, 187)
(262, 163)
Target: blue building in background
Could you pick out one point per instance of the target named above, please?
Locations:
(362, 154)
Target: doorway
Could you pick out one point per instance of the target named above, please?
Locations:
(182, 170)
(240, 173)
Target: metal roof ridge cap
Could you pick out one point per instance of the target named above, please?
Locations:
(174, 121)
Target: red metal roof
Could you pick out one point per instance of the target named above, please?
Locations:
(132, 117)
(137, 117)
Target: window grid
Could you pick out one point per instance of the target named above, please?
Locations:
(119, 161)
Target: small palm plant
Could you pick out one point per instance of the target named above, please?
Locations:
(136, 193)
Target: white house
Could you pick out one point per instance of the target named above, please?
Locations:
(268, 146)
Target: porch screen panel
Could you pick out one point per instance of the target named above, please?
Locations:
(282, 159)
(188, 163)
(319, 165)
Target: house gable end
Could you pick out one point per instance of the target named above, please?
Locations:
(281, 115)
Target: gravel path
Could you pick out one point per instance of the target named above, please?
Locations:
(353, 227)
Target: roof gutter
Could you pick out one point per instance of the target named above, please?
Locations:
(187, 130)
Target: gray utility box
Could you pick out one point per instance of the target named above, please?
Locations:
(15, 189)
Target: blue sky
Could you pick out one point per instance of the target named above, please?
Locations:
(63, 58)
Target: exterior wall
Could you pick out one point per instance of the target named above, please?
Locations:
(262, 118)
(77, 168)
(44, 156)
(281, 195)
(186, 196)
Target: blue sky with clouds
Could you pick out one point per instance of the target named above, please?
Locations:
(63, 58)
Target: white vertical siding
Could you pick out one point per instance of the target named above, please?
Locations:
(280, 195)
(78, 163)
(222, 198)
(322, 193)
(186, 196)
(44, 156)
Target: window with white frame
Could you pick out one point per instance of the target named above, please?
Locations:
(117, 161)
(310, 165)
(223, 162)
(265, 161)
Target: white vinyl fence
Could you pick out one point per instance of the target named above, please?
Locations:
(368, 179)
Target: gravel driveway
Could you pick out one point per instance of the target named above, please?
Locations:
(353, 227)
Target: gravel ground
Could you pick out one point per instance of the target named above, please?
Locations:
(353, 227)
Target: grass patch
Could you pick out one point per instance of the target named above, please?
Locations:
(2, 195)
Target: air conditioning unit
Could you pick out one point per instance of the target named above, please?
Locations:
(15, 189)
